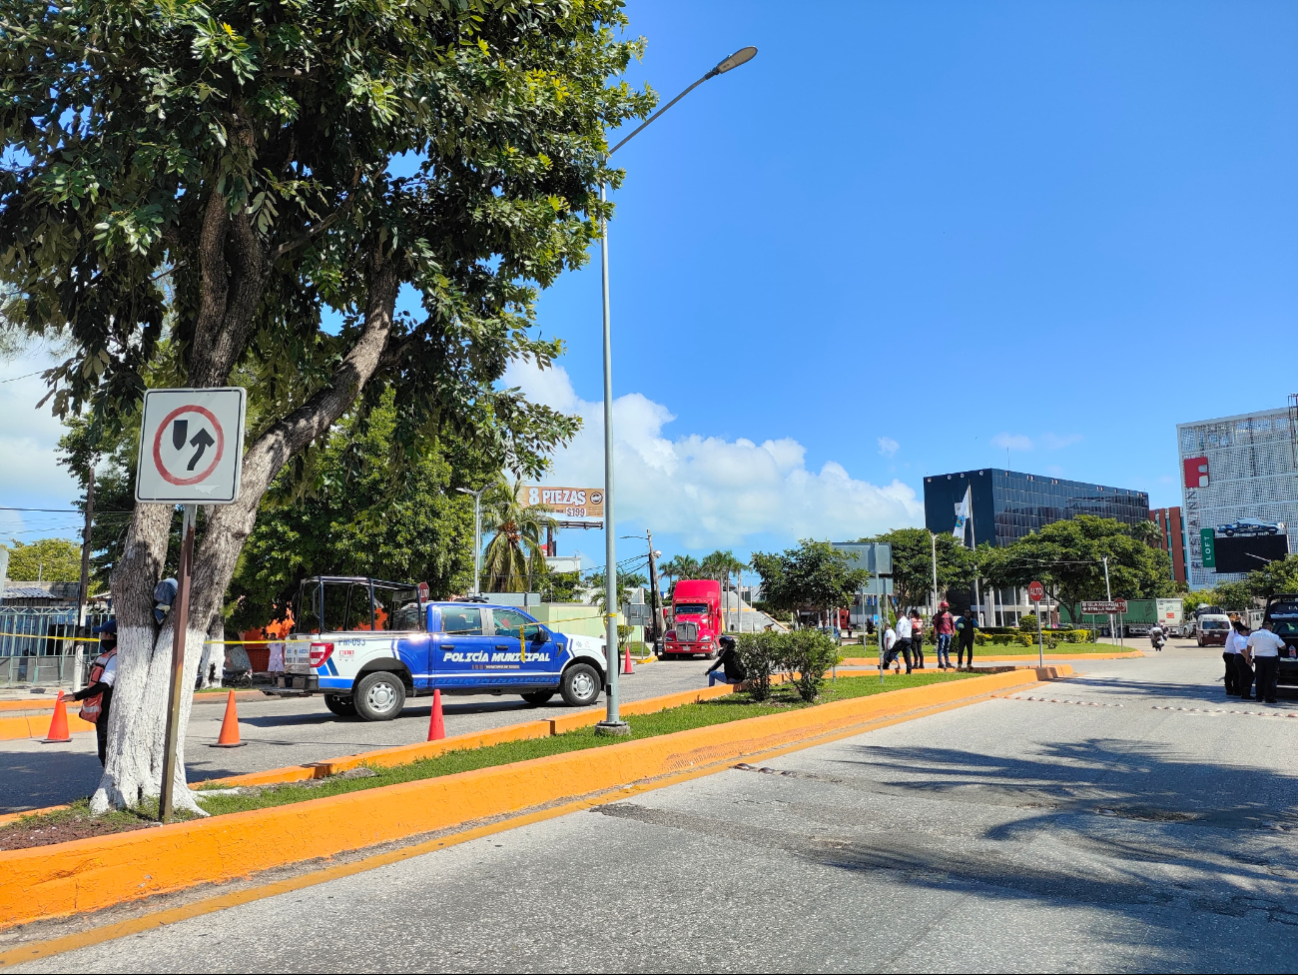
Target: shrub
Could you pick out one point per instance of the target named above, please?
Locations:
(1076, 636)
(1028, 622)
(760, 654)
(980, 638)
(806, 655)
(1024, 639)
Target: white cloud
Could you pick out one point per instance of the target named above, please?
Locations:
(28, 436)
(1054, 441)
(1012, 441)
(712, 492)
(888, 447)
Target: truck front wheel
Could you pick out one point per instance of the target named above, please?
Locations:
(581, 685)
(380, 696)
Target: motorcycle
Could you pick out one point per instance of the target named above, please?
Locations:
(1158, 641)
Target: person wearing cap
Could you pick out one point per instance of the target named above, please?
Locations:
(1263, 652)
(943, 628)
(733, 671)
(98, 694)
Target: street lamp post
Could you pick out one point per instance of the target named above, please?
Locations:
(477, 536)
(613, 723)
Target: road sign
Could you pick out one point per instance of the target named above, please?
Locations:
(1036, 592)
(191, 446)
(1208, 547)
(1103, 607)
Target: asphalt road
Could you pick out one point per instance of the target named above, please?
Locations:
(283, 732)
(1129, 824)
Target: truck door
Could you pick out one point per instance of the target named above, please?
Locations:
(461, 652)
(537, 655)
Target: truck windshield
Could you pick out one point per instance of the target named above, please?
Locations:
(691, 609)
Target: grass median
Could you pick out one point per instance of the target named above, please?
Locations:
(76, 822)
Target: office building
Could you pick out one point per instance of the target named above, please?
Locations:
(1008, 505)
(1172, 540)
(1239, 490)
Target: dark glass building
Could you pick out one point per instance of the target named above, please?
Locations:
(1008, 505)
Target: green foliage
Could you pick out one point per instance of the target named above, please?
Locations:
(1029, 622)
(1234, 597)
(1067, 557)
(515, 558)
(679, 567)
(560, 587)
(805, 655)
(48, 559)
(1274, 577)
(361, 514)
(912, 563)
(760, 655)
(814, 575)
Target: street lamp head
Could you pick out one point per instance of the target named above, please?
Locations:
(742, 56)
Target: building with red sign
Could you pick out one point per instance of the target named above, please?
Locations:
(1172, 540)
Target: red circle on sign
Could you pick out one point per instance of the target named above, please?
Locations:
(157, 446)
(1036, 592)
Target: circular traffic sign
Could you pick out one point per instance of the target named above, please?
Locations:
(1036, 592)
(217, 440)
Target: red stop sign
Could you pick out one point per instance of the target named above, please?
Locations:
(1036, 592)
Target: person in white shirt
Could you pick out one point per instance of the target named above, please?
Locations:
(889, 641)
(1232, 654)
(1264, 652)
(902, 648)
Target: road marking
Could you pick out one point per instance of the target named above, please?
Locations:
(1258, 714)
(1062, 700)
(166, 916)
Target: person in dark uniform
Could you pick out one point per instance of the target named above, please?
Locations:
(733, 671)
(1243, 663)
(966, 626)
(98, 695)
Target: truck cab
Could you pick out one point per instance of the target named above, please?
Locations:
(366, 645)
(696, 619)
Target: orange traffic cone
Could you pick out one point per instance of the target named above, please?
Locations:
(436, 726)
(230, 726)
(59, 723)
(626, 661)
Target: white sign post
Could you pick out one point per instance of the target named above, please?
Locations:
(191, 452)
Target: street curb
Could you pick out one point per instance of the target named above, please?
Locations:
(90, 874)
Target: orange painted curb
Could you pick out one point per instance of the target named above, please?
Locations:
(35, 725)
(90, 874)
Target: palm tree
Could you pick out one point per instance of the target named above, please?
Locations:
(515, 557)
(679, 567)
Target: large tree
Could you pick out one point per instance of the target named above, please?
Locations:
(912, 563)
(257, 181)
(46, 560)
(1068, 558)
(815, 575)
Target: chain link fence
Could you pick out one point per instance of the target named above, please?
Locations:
(37, 646)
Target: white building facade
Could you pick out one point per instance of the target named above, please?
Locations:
(1239, 488)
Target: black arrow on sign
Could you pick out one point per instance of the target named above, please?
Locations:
(179, 430)
(202, 440)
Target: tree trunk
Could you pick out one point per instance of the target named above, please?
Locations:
(137, 720)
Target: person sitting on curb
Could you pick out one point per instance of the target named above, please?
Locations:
(733, 672)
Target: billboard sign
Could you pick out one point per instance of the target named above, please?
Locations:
(571, 502)
(1208, 548)
(1244, 553)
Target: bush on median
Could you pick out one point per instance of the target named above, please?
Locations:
(804, 655)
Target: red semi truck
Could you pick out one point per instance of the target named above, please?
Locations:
(696, 618)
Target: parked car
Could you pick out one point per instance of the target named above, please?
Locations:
(1282, 613)
(1213, 630)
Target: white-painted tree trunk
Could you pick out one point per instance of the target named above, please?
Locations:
(137, 722)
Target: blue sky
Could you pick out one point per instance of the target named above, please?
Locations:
(907, 236)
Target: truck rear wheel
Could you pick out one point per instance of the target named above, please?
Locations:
(581, 685)
(380, 696)
(537, 697)
(344, 707)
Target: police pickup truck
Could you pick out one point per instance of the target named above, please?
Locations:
(1282, 614)
(366, 645)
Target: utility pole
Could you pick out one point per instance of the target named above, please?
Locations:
(932, 539)
(477, 536)
(1108, 594)
(84, 595)
(655, 600)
